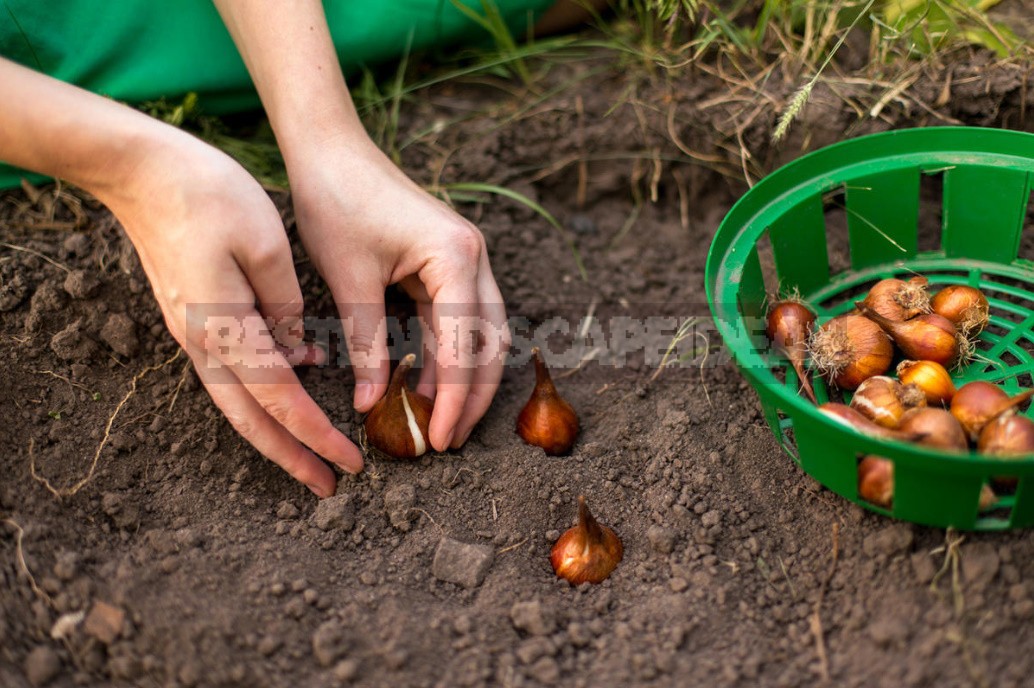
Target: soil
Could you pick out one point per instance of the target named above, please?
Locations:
(201, 564)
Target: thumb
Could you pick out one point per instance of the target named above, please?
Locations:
(361, 308)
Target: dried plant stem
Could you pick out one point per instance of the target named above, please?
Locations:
(73, 489)
(19, 555)
(815, 621)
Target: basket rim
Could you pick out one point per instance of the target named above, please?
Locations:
(823, 170)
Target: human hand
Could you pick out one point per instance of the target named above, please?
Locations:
(215, 250)
(366, 225)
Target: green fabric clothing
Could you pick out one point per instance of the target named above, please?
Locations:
(138, 50)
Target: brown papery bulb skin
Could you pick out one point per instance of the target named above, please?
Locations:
(965, 306)
(937, 427)
(978, 403)
(1007, 436)
(845, 415)
(850, 349)
(547, 421)
(883, 400)
(398, 423)
(788, 327)
(588, 552)
(929, 337)
(932, 378)
(876, 481)
(899, 300)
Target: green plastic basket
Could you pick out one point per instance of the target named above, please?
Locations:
(784, 228)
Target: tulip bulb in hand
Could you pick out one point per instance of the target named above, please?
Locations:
(398, 423)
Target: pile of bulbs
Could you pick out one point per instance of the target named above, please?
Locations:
(854, 351)
(398, 426)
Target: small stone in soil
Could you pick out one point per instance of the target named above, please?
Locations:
(81, 284)
(888, 631)
(119, 332)
(42, 665)
(980, 563)
(891, 540)
(531, 617)
(286, 509)
(71, 344)
(104, 622)
(545, 671)
(346, 670)
(328, 643)
(268, 645)
(661, 539)
(462, 563)
(398, 502)
(335, 513)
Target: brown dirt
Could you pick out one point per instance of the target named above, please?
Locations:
(738, 570)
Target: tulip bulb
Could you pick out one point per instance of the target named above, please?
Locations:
(398, 423)
(883, 400)
(937, 427)
(965, 306)
(547, 420)
(587, 552)
(788, 327)
(850, 349)
(929, 337)
(852, 418)
(930, 377)
(876, 481)
(977, 403)
(1009, 435)
(899, 300)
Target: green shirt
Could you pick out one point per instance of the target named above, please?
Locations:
(139, 50)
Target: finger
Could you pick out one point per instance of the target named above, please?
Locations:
(454, 317)
(256, 426)
(267, 376)
(268, 265)
(305, 354)
(425, 385)
(360, 303)
(491, 357)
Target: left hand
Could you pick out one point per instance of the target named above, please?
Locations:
(366, 225)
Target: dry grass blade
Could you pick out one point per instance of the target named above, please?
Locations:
(19, 555)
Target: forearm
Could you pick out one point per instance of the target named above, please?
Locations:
(291, 59)
(57, 129)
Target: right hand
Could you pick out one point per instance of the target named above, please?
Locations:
(212, 244)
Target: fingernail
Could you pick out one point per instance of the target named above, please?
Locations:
(350, 468)
(463, 438)
(319, 355)
(448, 440)
(363, 394)
(318, 491)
